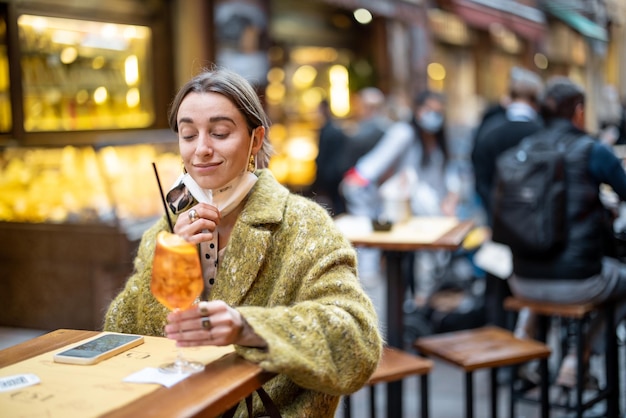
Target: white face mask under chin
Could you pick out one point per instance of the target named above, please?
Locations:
(225, 198)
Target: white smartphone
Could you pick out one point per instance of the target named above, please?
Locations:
(98, 349)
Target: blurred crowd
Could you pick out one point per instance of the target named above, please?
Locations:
(452, 176)
(392, 165)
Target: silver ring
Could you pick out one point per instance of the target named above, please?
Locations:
(206, 323)
(193, 215)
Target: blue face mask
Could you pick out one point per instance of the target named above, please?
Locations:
(431, 121)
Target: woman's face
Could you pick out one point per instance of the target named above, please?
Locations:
(214, 140)
(429, 115)
(430, 105)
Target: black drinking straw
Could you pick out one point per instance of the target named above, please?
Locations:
(167, 214)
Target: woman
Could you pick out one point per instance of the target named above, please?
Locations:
(413, 149)
(418, 145)
(281, 280)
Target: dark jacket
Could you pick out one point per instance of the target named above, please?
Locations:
(489, 146)
(585, 215)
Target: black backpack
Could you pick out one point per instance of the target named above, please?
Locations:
(529, 196)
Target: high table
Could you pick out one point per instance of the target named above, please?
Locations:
(416, 233)
(222, 384)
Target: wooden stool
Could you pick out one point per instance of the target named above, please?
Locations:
(580, 313)
(486, 347)
(395, 365)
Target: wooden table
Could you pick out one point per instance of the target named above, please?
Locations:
(223, 383)
(418, 233)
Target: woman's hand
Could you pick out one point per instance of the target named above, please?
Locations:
(211, 323)
(198, 223)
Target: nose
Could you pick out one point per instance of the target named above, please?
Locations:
(204, 146)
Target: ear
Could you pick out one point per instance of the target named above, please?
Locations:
(578, 119)
(258, 135)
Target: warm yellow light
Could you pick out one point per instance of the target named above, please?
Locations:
(131, 70)
(312, 54)
(109, 30)
(279, 166)
(304, 76)
(301, 148)
(274, 93)
(111, 161)
(100, 95)
(278, 135)
(132, 97)
(130, 32)
(312, 98)
(541, 61)
(276, 75)
(97, 62)
(363, 16)
(301, 173)
(436, 71)
(82, 96)
(339, 90)
(68, 55)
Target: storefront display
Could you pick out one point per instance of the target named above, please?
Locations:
(83, 75)
(70, 222)
(105, 184)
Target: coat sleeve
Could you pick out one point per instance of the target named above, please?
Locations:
(134, 310)
(320, 326)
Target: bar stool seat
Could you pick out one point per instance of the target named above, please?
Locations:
(580, 313)
(395, 365)
(488, 347)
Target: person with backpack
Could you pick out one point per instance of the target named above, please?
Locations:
(561, 254)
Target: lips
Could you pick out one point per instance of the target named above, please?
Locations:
(205, 167)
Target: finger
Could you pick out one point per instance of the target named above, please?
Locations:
(200, 230)
(204, 308)
(214, 336)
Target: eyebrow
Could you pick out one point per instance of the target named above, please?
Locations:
(213, 119)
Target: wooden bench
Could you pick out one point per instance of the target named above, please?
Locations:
(395, 365)
(580, 314)
(488, 347)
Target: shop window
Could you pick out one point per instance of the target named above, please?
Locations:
(5, 99)
(81, 75)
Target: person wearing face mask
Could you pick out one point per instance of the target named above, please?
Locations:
(417, 145)
(280, 280)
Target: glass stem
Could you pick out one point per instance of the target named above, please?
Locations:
(180, 360)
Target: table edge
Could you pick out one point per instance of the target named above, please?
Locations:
(245, 378)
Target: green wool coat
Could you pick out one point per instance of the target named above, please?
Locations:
(292, 276)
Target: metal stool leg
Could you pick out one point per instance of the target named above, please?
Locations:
(372, 401)
(611, 360)
(544, 388)
(424, 395)
(347, 410)
(512, 391)
(469, 395)
(493, 383)
(580, 368)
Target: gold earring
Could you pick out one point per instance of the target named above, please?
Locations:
(182, 163)
(251, 164)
